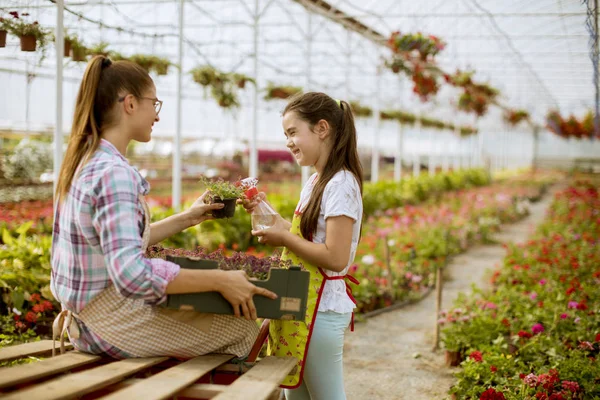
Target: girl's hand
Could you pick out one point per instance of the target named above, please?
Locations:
(197, 213)
(275, 235)
(250, 204)
(238, 291)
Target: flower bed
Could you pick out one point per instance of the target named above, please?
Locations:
(536, 335)
(418, 239)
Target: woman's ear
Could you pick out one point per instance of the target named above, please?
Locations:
(322, 129)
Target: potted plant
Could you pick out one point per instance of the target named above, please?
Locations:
(224, 192)
(280, 92)
(31, 34)
(5, 26)
(204, 75)
(78, 51)
(225, 99)
(99, 49)
(161, 65)
(514, 117)
(241, 79)
(360, 111)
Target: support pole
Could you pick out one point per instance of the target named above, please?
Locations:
(308, 37)
(377, 122)
(58, 126)
(253, 152)
(176, 190)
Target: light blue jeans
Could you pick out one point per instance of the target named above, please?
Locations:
(323, 368)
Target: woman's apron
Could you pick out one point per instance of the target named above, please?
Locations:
(143, 330)
(292, 338)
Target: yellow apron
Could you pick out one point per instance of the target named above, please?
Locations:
(292, 338)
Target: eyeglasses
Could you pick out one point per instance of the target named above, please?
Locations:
(157, 103)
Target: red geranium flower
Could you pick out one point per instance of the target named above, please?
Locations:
(31, 316)
(491, 394)
(476, 356)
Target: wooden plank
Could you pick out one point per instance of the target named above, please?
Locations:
(197, 391)
(74, 385)
(50, 366)
(261, 380)
(168, 382)
(29, 349)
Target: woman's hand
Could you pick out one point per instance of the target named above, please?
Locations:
(250, 204)
(238, 291)
(197, 213)
(275, 235)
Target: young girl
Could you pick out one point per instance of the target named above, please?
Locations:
(323, 236)
(108, 290)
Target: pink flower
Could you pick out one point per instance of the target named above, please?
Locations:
(531, 380)
(573, 304)
(542, 281)
(586, 346)
(491, 306)
(577, 320)
(537, 328)
(564, 315)
(533, 296)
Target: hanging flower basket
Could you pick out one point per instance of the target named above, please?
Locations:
(28, 43)
(360, 111)
(79, 54)
(31, 34)
(67, 52)
(241, 80)
(3, 38)
(281, 92)
(514, 117)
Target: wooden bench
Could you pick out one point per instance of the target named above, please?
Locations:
(85, 376)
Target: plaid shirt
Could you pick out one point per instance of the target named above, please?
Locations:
(97, 241)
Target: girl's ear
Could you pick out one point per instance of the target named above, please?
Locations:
(322, 129)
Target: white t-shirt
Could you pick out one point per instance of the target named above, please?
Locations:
(341, 197)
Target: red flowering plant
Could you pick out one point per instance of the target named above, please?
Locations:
(416, 44)
(571, 127)
(476, 97)
(413, 55)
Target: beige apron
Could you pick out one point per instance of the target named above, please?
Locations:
(143, 330)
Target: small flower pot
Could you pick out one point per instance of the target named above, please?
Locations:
(453, 358)
(226, 212)
(395, 69)
(67, 48)
(28, 43)
(241, 83)
(78, 55)
(2, 38)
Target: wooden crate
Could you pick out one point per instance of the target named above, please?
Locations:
(85, 376)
